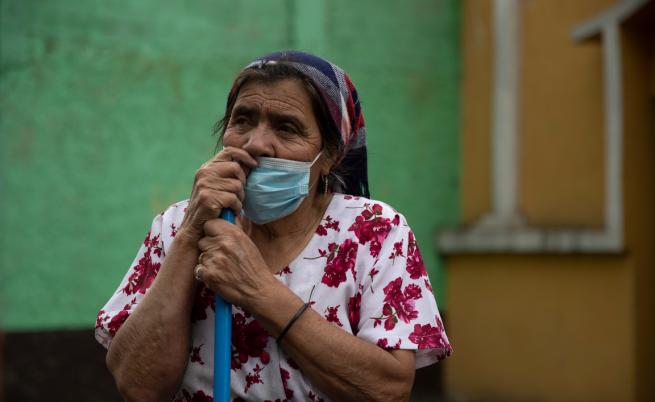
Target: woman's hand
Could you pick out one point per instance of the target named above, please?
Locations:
(232, 265)
(218, 184)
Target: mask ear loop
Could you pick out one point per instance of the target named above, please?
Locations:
(315, 159)
(323, 178)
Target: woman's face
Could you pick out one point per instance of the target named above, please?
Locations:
(274, 120)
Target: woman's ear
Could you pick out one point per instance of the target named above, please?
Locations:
(328, 159)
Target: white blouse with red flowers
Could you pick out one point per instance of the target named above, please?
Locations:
(367, 276)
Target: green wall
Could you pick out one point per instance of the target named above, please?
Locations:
(106, 109)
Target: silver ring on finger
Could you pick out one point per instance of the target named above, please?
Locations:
(196, 272)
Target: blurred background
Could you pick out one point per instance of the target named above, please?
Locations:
(517, 137)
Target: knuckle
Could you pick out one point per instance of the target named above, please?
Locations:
(204, 198)
(209, 260)
(230, 200)
(233, 168)
(209, 228)
(221, 260)
(200, 173)
(237, 185)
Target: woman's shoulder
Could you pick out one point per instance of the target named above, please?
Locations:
(175, 212)
(167, 223)
(364, 218)
(349, 206)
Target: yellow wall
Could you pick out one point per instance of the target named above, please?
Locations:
(556, 327)
(638, 45)
(548, 328)
(476, 109)
(561, 125)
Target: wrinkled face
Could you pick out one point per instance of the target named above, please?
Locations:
(274, 120)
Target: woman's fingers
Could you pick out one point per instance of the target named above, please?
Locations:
(214, 201)
(231, 264)
(219, 170)
(215, 230)
(219, 183)
(232, 154)
(222, 184)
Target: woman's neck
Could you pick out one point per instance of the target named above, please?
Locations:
(281, 242)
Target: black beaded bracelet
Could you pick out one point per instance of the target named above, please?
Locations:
(292, 321)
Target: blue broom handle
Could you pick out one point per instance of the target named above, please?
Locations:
(222, 339)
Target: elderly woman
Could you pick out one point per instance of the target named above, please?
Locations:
(293, 169)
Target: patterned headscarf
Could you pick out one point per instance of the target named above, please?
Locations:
(340, 96)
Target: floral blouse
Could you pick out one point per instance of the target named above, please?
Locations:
(363, 271)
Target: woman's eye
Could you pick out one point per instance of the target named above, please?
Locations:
(288, 128)
(239, 121)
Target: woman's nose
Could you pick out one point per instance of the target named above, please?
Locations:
(259, 141)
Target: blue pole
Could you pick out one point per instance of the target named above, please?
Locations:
(222, 339)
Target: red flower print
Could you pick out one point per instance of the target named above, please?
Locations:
(145, 270)
(402, 302)
(427, 284)
(195, 355)
(390, 322)
(285, 383)
(327, 223)
(199, 396)
(415, 265)
(331, 315)
(384, 344)
(340, 259)
(397, 251)
(150, 242)
(253, 378)
(399, 304)
(314, 398)
(204, 299)
(286, 270)
(173, 230)
(374, 248)
(354, 305)
(100, 318)
(249, 339)
(332, 224)
(154, 244)
(374, 271)
(412, 291)
(426, 336)
(118, 320)
(371, 227)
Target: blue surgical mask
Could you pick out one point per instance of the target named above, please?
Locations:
(275, 188)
